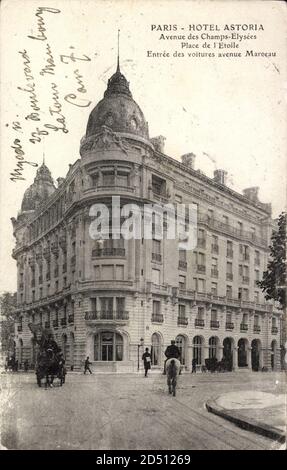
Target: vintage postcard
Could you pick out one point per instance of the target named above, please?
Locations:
(143, 227)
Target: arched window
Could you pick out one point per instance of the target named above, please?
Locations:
(212, 350)
(180, 342)
(197, 349)
(108, 346)
(155, 349)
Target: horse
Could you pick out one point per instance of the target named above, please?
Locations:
(49, 366)
(172, 372)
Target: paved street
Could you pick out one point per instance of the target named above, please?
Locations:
(127, 412)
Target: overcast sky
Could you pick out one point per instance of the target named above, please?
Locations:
(233, 110)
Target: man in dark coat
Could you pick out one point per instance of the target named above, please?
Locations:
(172, 351)
(87, 365)
(146, 357)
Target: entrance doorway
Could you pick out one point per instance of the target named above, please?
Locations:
(108, 346)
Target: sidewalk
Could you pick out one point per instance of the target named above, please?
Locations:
(260, 412)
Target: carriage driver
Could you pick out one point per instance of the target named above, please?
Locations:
(172, 351)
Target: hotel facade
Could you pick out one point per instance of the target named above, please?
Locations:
(110, 298)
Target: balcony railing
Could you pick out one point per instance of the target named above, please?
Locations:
(55, 323)
(182, 265)
(19, 328)
(229, 253)
(107, 315)
(182, 321)
(214, 248)
(71, 318)
(229, 326)
(63, 321)
(256, 329)
(156, 257)
(199, 322)
(274, 330)
(229, 276)
(157, 318)
(214, 272)
(243, 327)
(200, 268)
(214, 324)
(101, 252)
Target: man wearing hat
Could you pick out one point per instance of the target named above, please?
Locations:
(172, 351)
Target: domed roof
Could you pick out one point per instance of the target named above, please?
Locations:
(42, 187)
(117, 110)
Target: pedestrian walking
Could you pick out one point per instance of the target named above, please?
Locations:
(87, 365)
(146, 357)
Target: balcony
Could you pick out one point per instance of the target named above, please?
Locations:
(19, 328)
(156, 257)
(63, 321)
(201, 268)
(182, 265)
(157, 318)
(274, 330)
(229, 276)
(55, 323)
(229, 253)
(256, 329)
(229, 326)
(182, 321)
(214, 272)
(243, 327)
(47, 324)
(199, 323)
(214, 324)
(71, 318)
(108, 252)
(109, 315)
(214, 248)
(245, 280)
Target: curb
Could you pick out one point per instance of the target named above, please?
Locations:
(245, 423)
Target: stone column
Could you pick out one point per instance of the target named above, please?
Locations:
(235, 358)
(249, 361)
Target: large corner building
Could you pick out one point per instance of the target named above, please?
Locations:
(108, 300)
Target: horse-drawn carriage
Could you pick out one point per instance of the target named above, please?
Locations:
(50, 363)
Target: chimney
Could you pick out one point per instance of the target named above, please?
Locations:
(220, 176)
(251, 193)
(158, 143)
(188, 159)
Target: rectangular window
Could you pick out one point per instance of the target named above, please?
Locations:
(97, 272)
(106, 304)
(108, 178)
(122, 178)
(229, 268)
(256, 297)
(119, 272)
(181, 311)
(158, 185)
(95, 180)
(182, 255)
(225, 220)
(178, 198)
(182, 282)
(156, 307)
(201, 285)
(240, 270)
(228, 317)
(229, 292)
(240, 293)
(256, 320)
(200, 313)
(214, 288)
(214, 263)
(245, 318)
(213, 315)
(107, 271)
(245, 294)
(156, 276)
(120, 304)
(257, 258)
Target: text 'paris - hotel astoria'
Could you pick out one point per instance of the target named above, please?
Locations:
(108, 300)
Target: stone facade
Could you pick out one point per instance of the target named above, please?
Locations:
(109, 299)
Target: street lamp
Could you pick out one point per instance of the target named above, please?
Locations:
(139, 346)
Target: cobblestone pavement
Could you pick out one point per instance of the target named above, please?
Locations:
(127, 412)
